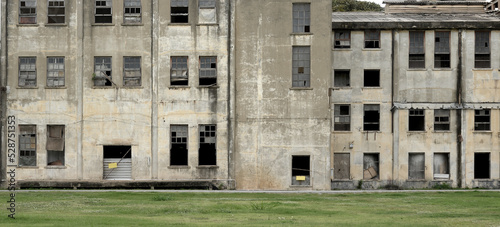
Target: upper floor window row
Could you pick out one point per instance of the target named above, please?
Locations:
(179, 11)
(342, 39)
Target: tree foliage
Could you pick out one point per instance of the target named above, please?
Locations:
(354, 5)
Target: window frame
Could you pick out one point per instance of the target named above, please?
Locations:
(62, 137)
(439, 115)
(337, 113)
(481, 55)
(308, 177)
(412, 175)
(301, 66)
(339, 37)
(174, 61)
(376, 41)
(103, 15)
(442, 52)
(25, 16)
(368, 123)
(132, 15)
(202, 129)
(22, 149)
(180, 12)
(416, 50)
(480, 113)
(203, 7)
(49, 7)
(27, 71)
(186, 143)
(301, 17)
(131, 69)
(204, 71)
(416, 113)
(60, 71)
(337, 73)
(108, 79)
(365, 82)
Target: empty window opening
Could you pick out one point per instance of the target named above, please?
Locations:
(482, 120)
(416, 120)
(441, 120)
(103, 11)
(179, 11)
(417, 50)
(371, 117)
(341, 78)
(55, 145)
(207, 12)
(178, 145)
(372, 39)
(102, 71)
(370, 166)
(301, 67)
(56, 12)
(207, 152)
(342, 40)
(416, 166)
(27, 12)
(481, 165)
(301, 17)
(27, 145)
(372, 78)
(132, 71)
(208, 70)
(341, 166)
(55, 72)
(117, 162)
(179, 71)
(301, 170)
(27, 72)
(442, 49)
(342, 117)
(132, 13)
(482, 49)
(441, 166)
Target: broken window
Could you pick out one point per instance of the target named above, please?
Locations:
(132, 13)
(208, 70)
(56, 12)
(179, 71)
(103, 11)
(132, 71)
(372, 39)
(55, 145)
(416, 120)
(441, 120)
(341, 166)
(482, 50)
(301, 17)
(178, 145)
(371, 117)
(27, 145)
(441, 166)
(207, 11)
(417, 50)
(372, 78)
(102, 71)
(442, 49)
(342, 116)
(55, 71)
(27, 72)
(179, 11)
(27, 12)
(482, 120)
(117, 162)
(370, 166)
(207, 152)
(416, 166)
(481, 165)
(301, 67)
(301, 170)
(341, 78)
(342, 39)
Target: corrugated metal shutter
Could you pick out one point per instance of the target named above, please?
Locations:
(122, 172)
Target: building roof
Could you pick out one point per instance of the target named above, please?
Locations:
(438, 2)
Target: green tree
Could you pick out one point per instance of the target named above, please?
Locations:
(354, 5)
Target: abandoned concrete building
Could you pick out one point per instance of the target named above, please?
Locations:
(250, 94)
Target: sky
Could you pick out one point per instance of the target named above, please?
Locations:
(376, 1)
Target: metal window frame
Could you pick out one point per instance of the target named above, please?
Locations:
(132, 15)
(27, 15)
(132, 69)
(22, 149)
(61, 71)
(371, 107)
(301, 17)
(174, 66)
(176, 137)
(203, 129)
(340, 73)
(21, 70)
(301, 66)
(341, 41)
(416, 49)
(482, 113)
(101, 60)
(211, 60)
(442, 49)
(368, 38)
(337, 114)
(103, 15)
(438, 115)
(56, 15)
(179, 4)
(482, 55)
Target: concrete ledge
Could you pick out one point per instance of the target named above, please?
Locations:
(132, 184)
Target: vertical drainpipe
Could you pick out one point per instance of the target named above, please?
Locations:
(3, 93)
(230, 129)
(154, 89)
(393, 110)
(459, 112)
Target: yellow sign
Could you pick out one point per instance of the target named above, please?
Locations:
(113, 165)
(300, 178)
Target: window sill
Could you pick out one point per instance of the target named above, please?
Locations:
(56, 25)
(416, 132)
(342, 49)
(207, 167)
(27, 25)
(437, 131)
(301, 34)
(27, 167)
(179, 167)
(35, 87)
(371, 131)
(208, 24)
(482, 132)
(371, 180)
(55, 167)
(416, 180)
(372, 88)
(208, 86)
(300, 186)
(416, 69)
(342, 132)
(132, 87)
(61, 87)
(372, 49)
(104, 87)
(178, 87)
(103, 24)
(132, 24)
(441, 179)
(482, 69)
(179, 24)
(341, 88)
(442, 69)
(301, 88)
(341, 180)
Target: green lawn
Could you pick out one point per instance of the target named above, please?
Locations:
(73, 208)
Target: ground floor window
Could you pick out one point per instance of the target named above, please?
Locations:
(370, 166)
(482, 166)
(441, 166)
(301, 170)
(416, 166)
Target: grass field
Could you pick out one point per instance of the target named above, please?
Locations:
(160, 208)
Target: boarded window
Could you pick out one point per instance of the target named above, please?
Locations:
(27, 12)
(301, 76)
(55, 145)
(132, 12)
(103, 11)
(341, 78)
(56, 12)
(301, 17)
(372, 39)
(482, 120)
(301, 170)
(27, 145)
(102, 71)
(372, 78)
(342, 117)
(342, 40)
(208, 71)
(417, 50)
(178, 145)
(416, 120)
(132, 71)
(442, 49)
(482, 49)
(481, 165)
(342, 166)
(207, 11)
(207, 152)
(179, 71)
(27, 72)
(371, 117)
(441, 166)
(55, 71)
(370, 166)
(416, 166)
(179, 11)
(441, 120)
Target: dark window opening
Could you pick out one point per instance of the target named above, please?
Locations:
(372, 78)
(482, 166)
(55, 145)
(482, 120)
(342, 40)
(417, 50)
(342, 118)
(178, 145)
(103, 12)
(442, 49)
(416, 120)
(370, 166)
(111, 151)
(441, 120)
(342, 166)
(416, 166)
(371, 117)
(132, 11)
(179, 71)
(482, 61)
(417, 61)
(441, 166)
(207, 153)
(56, 12)
(27, 145)
(372, 39)
(301, 169)
(341, 78)
(208, 71)
(482, 49)
(442, 61)
(102, 72)
(179, 11)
